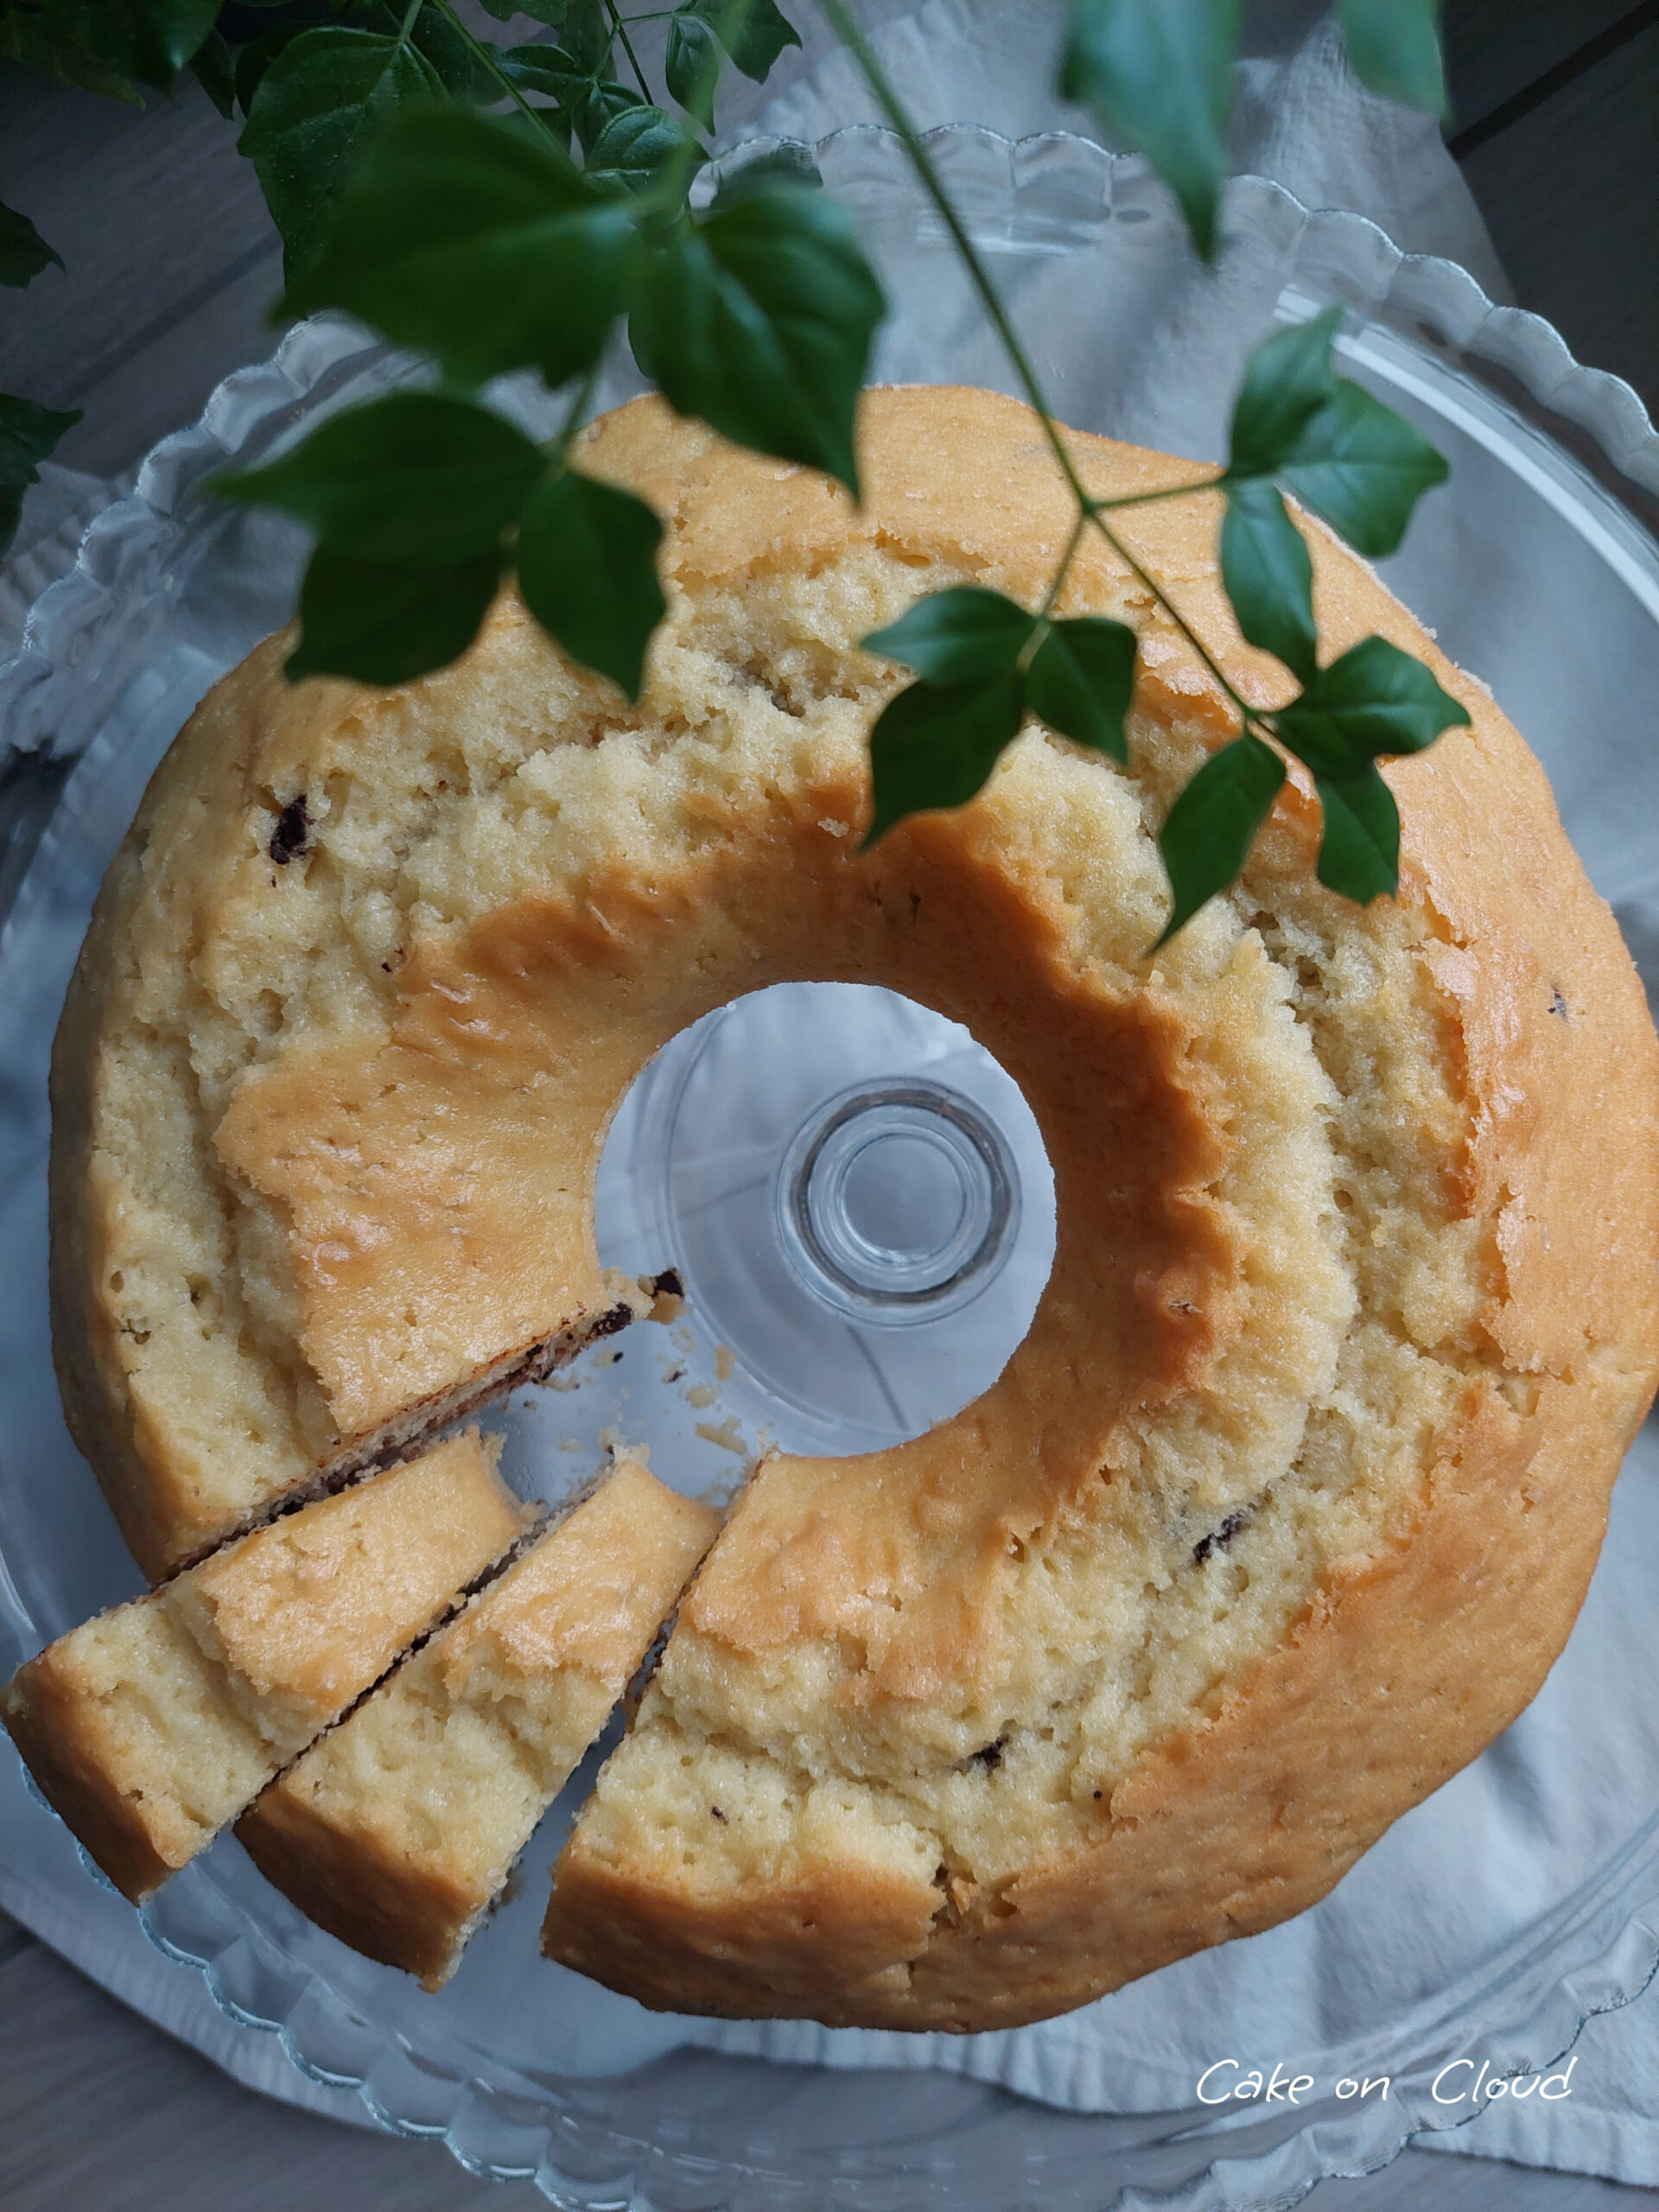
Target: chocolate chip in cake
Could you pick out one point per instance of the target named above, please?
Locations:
(986, 1758)
(293, 827)
(1218, 1539)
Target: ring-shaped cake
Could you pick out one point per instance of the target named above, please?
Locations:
(1289, 1499)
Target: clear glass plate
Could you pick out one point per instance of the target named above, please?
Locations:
(1539, 569)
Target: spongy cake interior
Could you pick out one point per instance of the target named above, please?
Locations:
(175, 1710)
(398, 1829)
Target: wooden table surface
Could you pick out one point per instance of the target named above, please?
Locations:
(172, 264)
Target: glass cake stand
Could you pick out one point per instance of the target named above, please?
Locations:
(863, 1237)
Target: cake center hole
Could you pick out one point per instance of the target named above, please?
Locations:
(857, 1201)
(898, 1195)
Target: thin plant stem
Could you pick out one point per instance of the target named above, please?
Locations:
(892, 107)
(1057, 581)
(1146, 498)
(574, 413)
(921, 160)
(1247, 713)
(484, 54)
(619, 29)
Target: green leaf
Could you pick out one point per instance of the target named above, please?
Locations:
(464, 72)
(1081, 680)
(935, 745)
(1346, 454)
(257, 56)
(636, 146)
(1207, 838)
(692, 65)
(597, 105)
(151, 40)
(414, 477)
(214, 67)
(389, 621)
(1395, 45)
(958, 636)
(587, 573)
(477, 244)
(27, 433)
(327, 96)
(1359, 845)
(550, 12)
(1363, 468)
(1375, 700)
(1269, 576)
(544, 69)
(780, 165)
(54, 47)
(24, 251)
(752, 32)
(1160, 74)
(585, 36)
(760, 319)
(1288, 380)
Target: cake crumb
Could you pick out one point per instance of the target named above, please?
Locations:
(728, 1436)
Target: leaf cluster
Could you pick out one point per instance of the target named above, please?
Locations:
(1362, 468)
(502, 206)
(484, 245)
(985, 663)
(316, 97)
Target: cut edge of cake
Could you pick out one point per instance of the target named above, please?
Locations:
(149, 1727)
(398, 1830)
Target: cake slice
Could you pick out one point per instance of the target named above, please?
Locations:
(397, 1831)
(152, 1725)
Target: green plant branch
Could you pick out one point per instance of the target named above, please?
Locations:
(619, 28)
(1164, 492)
(1057, 581)
(1090, 509)
(1246, 713)
(559, 445)
(486, 55)
(875, 77)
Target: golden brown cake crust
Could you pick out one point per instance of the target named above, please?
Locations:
(59, 1738)
(1350, 1294)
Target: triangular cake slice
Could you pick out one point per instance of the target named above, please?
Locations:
(150, 1727)
(397, 1831)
